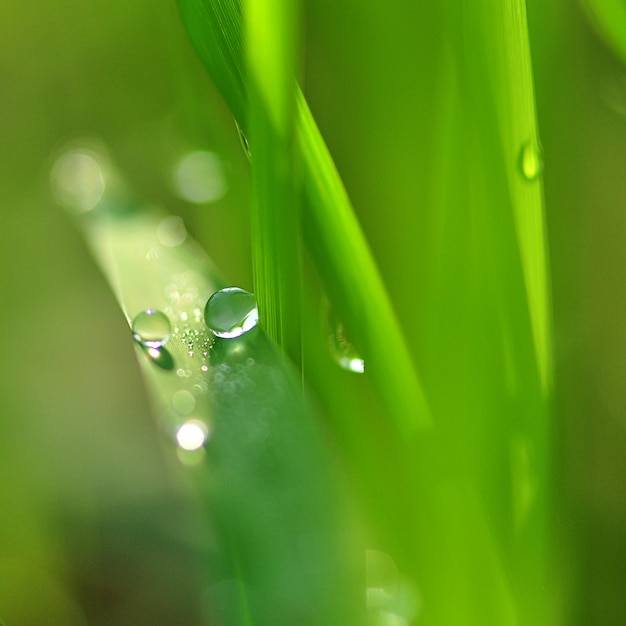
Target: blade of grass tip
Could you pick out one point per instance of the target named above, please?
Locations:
(609, 18)
(271, 41)
(331, 230)
(235, 411)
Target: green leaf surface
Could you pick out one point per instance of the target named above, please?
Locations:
(270, 56)
(235, 413)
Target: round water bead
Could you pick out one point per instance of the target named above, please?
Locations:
(341, 349)
(231, 312)
(531, 161)
(151, 328)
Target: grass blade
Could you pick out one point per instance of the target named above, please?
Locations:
(609, 18)
(355, 284)
(270, 52)
(235, 410)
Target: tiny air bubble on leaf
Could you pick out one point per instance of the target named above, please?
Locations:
(231, 312)
(151, 328)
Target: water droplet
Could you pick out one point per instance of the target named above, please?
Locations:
(199, 178)
(151, 328)
(160, 357)
(341, 348)
(231, 312)
(244, 141)
(192, 435)
(77, 180)
(171, 232)
(531, 161)
(183, 402)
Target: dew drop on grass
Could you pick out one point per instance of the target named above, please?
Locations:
(342, 350)
(531, 161)
(244, 141)
(231, 312)
(151, 328)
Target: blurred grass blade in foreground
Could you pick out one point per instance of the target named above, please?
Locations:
(609, 18)
(331, 230)
(232, 406)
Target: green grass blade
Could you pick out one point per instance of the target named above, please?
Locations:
(334, 237)
(270, 53)
(331, 229)
(214, 27)
(264, 474)
(609, 18)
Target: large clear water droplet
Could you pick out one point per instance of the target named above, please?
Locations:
(531, 160)
(151, 328)
(342, 350)
(231, 312)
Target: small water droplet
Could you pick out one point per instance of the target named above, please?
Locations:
(204, 368)
(77, 180)
(199, 177)
(531, 161)
(231, 312)
(341, 348)
(171, 232)
(192, 435)
(244, 141)
(151, 328)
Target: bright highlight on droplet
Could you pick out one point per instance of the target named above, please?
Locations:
(171, 232)
(199, 178)
(160, 357)
(77, 181)
(192, 435)
(151, 328)
(231, 312)
(531, 161)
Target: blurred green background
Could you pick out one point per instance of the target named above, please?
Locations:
(98, 526)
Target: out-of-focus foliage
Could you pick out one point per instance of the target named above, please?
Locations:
(99, 516)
